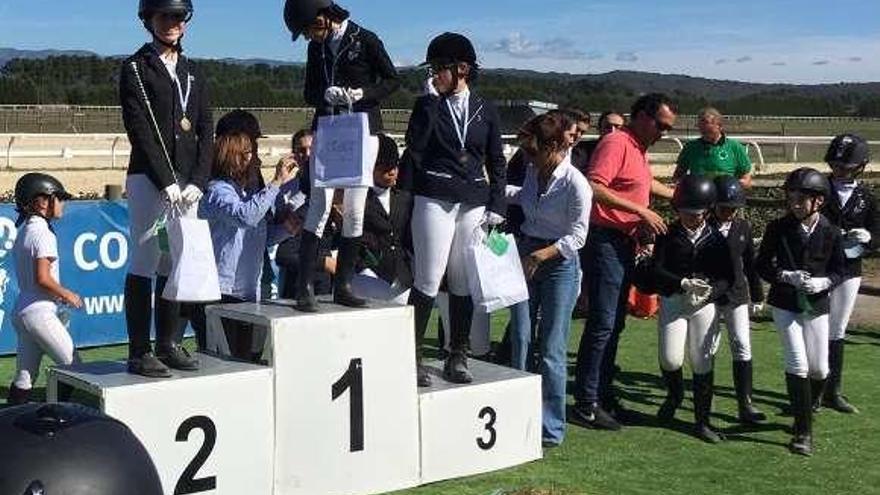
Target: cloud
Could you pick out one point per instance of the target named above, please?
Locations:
(721, 61)
(626, 57)
(743, 60)
(821, 62)
(779, 64)
(855, 59)
(594, 55)
(518, 46)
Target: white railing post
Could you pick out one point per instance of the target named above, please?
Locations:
(113, 152)
(9, 152)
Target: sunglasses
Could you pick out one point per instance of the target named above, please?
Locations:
(176, 17)
(662, 126)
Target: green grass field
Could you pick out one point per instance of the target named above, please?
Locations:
(653, 459)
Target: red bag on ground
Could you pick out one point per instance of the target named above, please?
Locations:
(642, 305)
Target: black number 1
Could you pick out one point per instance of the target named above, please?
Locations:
(187, 482)
(490, 427)
(353, 380)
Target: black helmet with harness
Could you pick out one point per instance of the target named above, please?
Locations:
(148, 8)
(694, 192)
(35, 184)
(449, 50)
(849, 152)
(729, 192)
(300, 14)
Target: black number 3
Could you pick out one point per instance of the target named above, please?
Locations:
(490, 427)
(187, 482)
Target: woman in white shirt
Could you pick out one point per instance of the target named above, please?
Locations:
(556, 200)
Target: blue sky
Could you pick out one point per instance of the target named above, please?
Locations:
(804, 41)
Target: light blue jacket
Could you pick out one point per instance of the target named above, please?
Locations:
(240, 231)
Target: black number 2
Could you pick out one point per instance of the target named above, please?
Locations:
(490, 427)
(187, 482)
(353, 380)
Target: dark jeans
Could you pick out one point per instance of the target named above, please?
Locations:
(611, 260)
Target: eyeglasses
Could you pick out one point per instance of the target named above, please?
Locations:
(435, 69)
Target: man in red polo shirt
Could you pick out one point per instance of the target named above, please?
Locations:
(622, 185)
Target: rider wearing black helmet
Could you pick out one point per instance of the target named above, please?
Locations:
(692, 270)
(853, 209)
(802, 257)
(167, 116)
(39, 199)
(458, 175)
(734, 307)
(347, 69)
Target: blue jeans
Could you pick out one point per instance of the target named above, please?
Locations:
(611, 259)
(553, 290)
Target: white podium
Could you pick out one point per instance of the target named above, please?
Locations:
(346, 406)
(490, 424)
(209, 431)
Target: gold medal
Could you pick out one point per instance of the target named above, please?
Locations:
(185, 124)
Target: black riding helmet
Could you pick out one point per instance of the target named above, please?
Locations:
(807, 180)
(694, 192)
(848, 151)
(729, 192)
(300, 14)
(67, 448)
(148, 8)
(34, 184)
(451, 48)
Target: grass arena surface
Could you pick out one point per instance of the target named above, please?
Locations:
(650, 458)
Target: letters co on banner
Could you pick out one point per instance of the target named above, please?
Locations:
(94, 247)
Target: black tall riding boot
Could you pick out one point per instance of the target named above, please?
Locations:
(674, 381)
(461, 311)
(799, 395)
(422, 307)
(138, 319)
(833, 397)
(17, 396)
(703, 391)
(308, 265)
(138, 314)
(345, 266)
(742, 382)
(817, 391)
(170, 326)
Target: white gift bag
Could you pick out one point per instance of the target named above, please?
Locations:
(495, 281)
(193, 275)
(344, 152)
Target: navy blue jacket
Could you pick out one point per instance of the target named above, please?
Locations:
(190, 151)
(435, 151)
(785, 247)
(746, 285)
(361, 62)
(861, 211)
(677, 258)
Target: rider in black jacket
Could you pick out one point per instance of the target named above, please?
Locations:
(167, 116)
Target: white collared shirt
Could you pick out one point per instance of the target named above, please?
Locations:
(562, 212)
(336, 37)
(460, 103)
(844, 190)
(384, 197)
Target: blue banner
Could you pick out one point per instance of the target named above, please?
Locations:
(93, 249)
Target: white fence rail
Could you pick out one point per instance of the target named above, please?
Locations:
(110, 151)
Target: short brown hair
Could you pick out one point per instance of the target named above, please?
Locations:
(229, 162)
(545, 132)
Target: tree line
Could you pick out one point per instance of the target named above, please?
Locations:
(91, 80)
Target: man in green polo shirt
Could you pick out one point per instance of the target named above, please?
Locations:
(714, 153)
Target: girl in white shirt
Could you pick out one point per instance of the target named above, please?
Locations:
(39, 199)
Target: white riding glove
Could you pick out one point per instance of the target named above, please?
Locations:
(492, 219)
(172, 194)
(191, 194)
(862, 236)
(815, 285)
(355, 95)
(696, 290)
(795, 278)
(335, 95)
